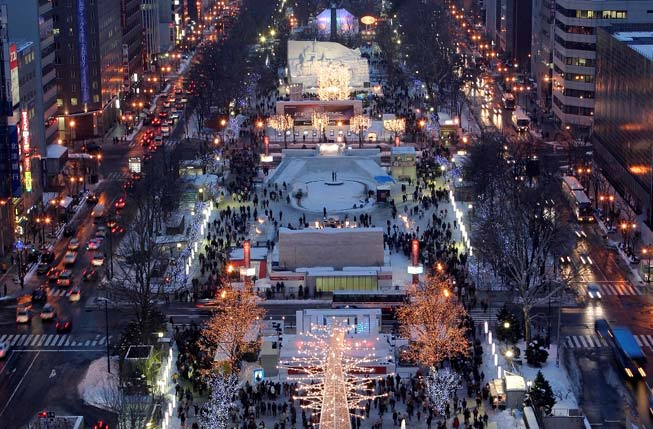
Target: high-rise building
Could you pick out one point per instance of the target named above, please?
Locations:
(574, 54)
(8, 141)
(623, 122)
(151, 32)
(515, 31)
(32, 20)
(542, 50)
(89, 63)
(132, 42)
(492, 19)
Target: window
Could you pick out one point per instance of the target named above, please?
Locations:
(96, 99)
(613, 14)
(59, 102)
(73, 101)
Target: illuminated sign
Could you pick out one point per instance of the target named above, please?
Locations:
(24, 121)
(13, 75)
(27, 174)
(14, 156)
(368, 20)
(28, 181)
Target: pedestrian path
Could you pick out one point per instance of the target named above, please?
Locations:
(53, 341)
(595, 341)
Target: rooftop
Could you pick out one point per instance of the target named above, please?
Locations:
(639, 41)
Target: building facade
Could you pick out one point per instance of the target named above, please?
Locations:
(624, 112)
(32, 20)
(542, 50)
(151, 32)
(574, 54)
(89, 64)
(132, 42)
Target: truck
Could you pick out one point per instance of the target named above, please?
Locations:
(98, 213)
(520, 120)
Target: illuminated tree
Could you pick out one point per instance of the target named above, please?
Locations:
(333, 82)
(440, 387)
(432, 323)
(215, 412)
(396, 126)
(282, 124)
(230, 329)
(358, 124)
(320, 120)
(332, 382)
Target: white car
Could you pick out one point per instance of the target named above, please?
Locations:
(69, 258)
(75, 295)
(22, 315)
(593, 291)
(98, 260)
(47, 312)
(73, 244)
(4, 349)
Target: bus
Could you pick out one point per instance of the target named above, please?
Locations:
(520, 120)
(626, 351)
(387, 301)
(508, 101)
(580, 203)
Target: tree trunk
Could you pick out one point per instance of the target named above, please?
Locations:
(527, 323)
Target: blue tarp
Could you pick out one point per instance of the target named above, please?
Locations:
(383, 179)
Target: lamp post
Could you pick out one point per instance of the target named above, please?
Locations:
(223, 124)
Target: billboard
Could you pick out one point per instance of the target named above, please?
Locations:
(14, 161)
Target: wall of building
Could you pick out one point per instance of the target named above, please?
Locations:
(574, 54)
(324, 248)
(623, 125)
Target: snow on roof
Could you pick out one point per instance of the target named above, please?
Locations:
(56, 151)
(330, 230)
(256, 253)
(515, 382)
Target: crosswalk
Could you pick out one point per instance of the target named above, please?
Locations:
(53, 291)
(595, 341)
(479, 316)
(622, 288)
(118, 176)
(52, 341)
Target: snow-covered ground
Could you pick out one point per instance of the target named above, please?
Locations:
(99, 388)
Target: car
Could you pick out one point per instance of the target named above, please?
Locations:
(91, 198)
(23, 315)
(565, 260)
(64, 324)
(129, 184)
(120, 203)
(43, 268)
(4, 349)
(94, 244)
(98, 259)
(593, 291)
(47, 312)
(40, 295)
(586, 260)
(117, 229)
(101, 232)
(73, 244)
(166, 104)
(75, 295)
(53, 275)
(47, 256)
(70, 258)
(580, 233)
(65, 278)
(89, 274)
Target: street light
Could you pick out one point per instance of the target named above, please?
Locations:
(648, 252)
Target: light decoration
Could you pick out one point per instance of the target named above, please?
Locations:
(333, 82)
(440, 387)
(331, 381)
(319, 121)
(282, 124)
(215, 413)
(358, 124)
(396, 126)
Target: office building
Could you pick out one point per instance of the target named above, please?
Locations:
(515, 32)
(132, 42)
(492, 19)
(32, 20)
(151, 32)
(624, 112)
(8, 142)
(542, 50)
(89, 63)
(574, 54)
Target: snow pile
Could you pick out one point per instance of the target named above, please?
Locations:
(99, 388)
(506, 420)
